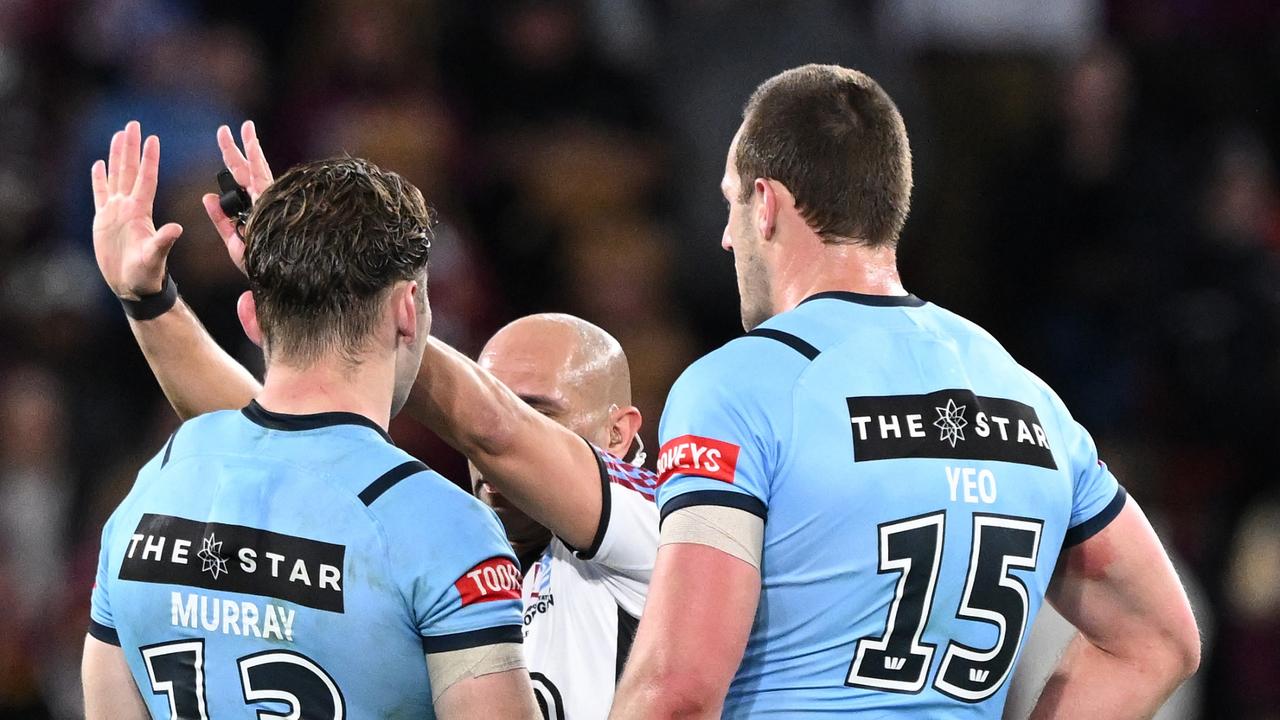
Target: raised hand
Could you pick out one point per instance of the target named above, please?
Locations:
(131, 252)
(251, 171)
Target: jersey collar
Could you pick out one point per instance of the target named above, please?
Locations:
(863, 299)
(280, 421)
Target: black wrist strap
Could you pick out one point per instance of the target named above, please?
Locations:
(148, 307)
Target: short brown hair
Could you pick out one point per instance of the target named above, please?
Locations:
(835, 139)
(323, 245)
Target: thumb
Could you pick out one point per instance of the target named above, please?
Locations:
(165, 237)
(225, 226)
(226, 230)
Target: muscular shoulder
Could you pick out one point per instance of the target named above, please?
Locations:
(739, 396)
(982, 344)
(414, 502)
(754, 366)
(433, 534)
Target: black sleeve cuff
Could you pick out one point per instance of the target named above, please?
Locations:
(104, 633)
(1095, 524)
(473, 638)
(606, 502)
(724, 498)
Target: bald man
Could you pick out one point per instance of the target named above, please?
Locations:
(576, 374)
(587, 548)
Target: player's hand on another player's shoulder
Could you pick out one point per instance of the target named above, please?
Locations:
(251, 171)
(130, 251)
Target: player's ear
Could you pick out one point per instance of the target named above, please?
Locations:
(408, 308)
(247, 311)
(766, 210)
(624, 423)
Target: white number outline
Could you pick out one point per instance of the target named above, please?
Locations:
(151, 652)
(938, 520)
(252, 695)
(981, 522)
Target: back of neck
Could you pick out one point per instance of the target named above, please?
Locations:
(849, 268)
(329, 385)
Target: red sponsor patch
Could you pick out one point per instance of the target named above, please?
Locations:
(494, 579)
(694, 455)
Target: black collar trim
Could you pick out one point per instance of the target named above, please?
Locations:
(280, 421)
(862, 299)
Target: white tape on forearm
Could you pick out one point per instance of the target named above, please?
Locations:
(447, 669)
(730, 530)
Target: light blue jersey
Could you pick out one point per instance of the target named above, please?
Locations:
(917, 487)
(297, 565)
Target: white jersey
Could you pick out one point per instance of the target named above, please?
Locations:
(581, 608)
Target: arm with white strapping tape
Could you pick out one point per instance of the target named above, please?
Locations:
(464, 598)
(721, 432)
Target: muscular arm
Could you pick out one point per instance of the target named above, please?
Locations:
(1138, 640)
(109, 690)
(544, 469)
(691, 636)
(498, 695)
(197, 375)
(486, 681)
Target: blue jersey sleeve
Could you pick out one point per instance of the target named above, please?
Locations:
(456, 569)
(724, 427)
(102, 624)
(1097, 496)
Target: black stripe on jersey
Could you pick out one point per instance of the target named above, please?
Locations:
(280, 421)
(390, 478)
(606, 509)
(723, 498)
(787, 339)
(627, 624)
(1095, 524)
(168, 448)
(863, 299)
(550, 701)
(104, 633)
(473, 638)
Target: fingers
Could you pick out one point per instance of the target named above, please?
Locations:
(260, 170)
(129, 161)
(114, 158)
(232, 158)
(99, 175)
(144, 188)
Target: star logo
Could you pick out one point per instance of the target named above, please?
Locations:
(951, 422)
(211, 558)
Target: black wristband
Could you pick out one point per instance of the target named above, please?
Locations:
(147, 307)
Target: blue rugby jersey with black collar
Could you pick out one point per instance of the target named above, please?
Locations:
(917, 486)
(297, 564)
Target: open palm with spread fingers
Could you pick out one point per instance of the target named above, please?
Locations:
(131, 252)
(251, 171)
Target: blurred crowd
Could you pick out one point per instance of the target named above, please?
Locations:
(1096, 184)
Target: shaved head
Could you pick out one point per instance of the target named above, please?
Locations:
(574, 373)
(567, 368)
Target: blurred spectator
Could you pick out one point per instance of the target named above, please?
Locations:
(1000, 26)
(1252, 636)
(36, 492)
(1078, 215)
